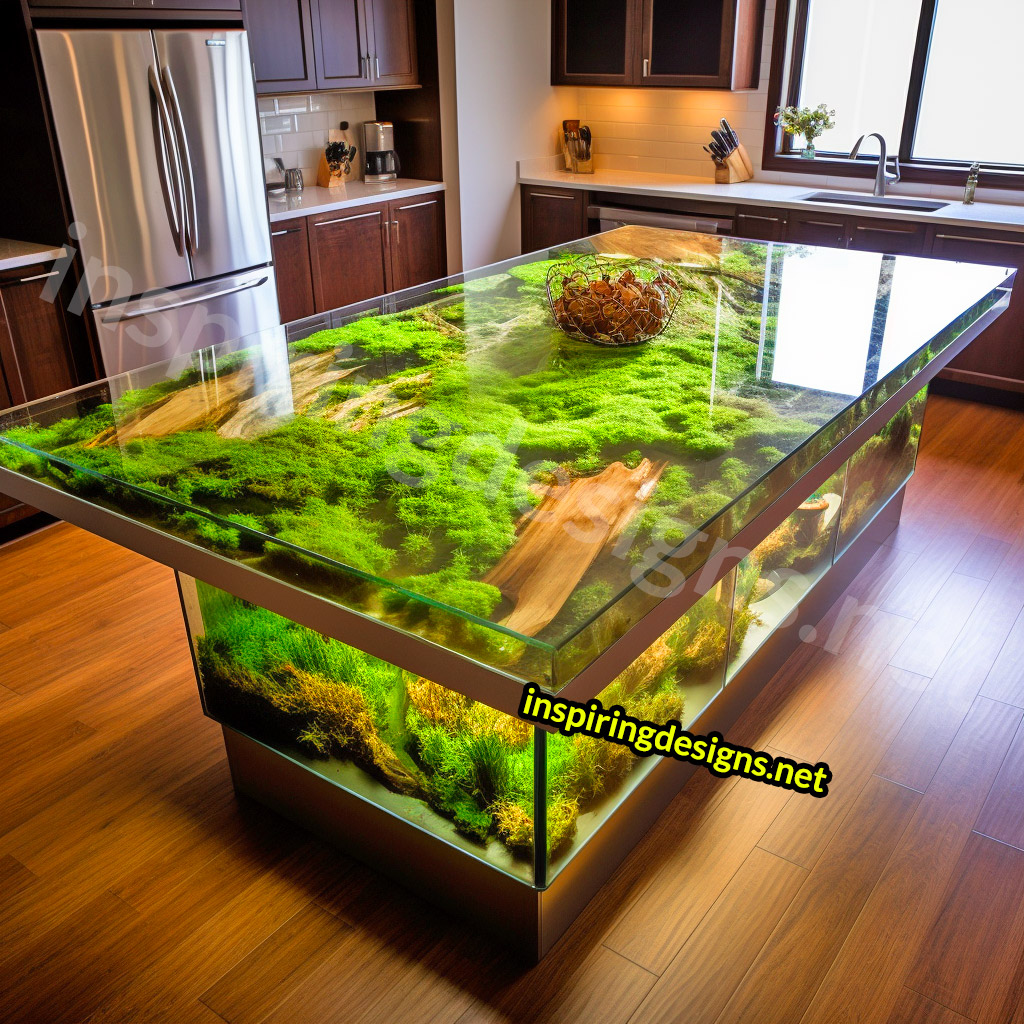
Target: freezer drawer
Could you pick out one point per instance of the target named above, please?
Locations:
(172, 324)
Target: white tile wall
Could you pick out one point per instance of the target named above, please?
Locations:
(294, 127)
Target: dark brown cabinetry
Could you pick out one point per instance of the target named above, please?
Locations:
(35, 351)
(233, 6)
(417, 237)
(294, 277)
(766, 225)
(995, 359)
(552, 216)
(817, 229)
(349, 254)
(281, 44)
(888, 236)
(673, 43)
(331, 44)
(367, 251)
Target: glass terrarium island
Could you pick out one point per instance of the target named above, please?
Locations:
(387, 520)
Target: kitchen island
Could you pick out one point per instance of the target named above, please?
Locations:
(384, 529)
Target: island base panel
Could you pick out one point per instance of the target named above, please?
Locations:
(523, 917)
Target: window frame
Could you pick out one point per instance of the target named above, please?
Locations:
(784, 88)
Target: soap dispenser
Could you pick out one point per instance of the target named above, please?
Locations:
(972, 184)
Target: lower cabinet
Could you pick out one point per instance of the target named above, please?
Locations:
(817, 229)
(765, 225)
(367, 251)
(552, 216)
(36, 359)
(294, 274)
(995, 359)
(417, 242)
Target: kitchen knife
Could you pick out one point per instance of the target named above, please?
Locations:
(714, 155)
(723, 141)
(730, 134)
(717, 152)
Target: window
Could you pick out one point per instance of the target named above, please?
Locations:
(934, 77)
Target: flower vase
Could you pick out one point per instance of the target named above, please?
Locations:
(808, 152)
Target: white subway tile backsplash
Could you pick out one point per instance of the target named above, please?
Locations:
(294, 127)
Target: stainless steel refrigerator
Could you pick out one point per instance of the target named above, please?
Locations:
(159, 138)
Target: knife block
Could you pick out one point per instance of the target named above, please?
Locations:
(737, 167)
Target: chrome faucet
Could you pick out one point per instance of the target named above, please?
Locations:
(882, 178)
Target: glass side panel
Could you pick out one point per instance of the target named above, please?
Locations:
(425, 753)
(880, 469)
(773, 579)
(447, 461)
(675, 679)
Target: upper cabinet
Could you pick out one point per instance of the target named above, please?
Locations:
(298, 45)
(669, 43)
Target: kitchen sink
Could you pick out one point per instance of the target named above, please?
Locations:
(882, 202)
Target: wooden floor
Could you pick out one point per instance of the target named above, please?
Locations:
(135, 887)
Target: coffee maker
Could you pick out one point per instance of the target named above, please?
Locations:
(382, 162)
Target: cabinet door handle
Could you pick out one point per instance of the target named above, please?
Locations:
(429, 202)
(285, 231)
(647, 67)
(376, 65)
(890, 231)
(338, 220)
(38, 277)
(822, 223)
(387, 228)
(364, 67)
(398, 232)
(981, 241)
(757, 216)
(551, 195)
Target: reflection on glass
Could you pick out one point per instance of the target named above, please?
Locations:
(675, 679)
(774, 578)
(880, 469)
(461, 470)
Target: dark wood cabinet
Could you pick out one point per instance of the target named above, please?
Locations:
(298, 45)
(417, 241)
(995, 359)
(349, 255)
(595, 42)
(232, 6)
(552, 216)
(817, 229)
(369, 251)
(281, 44)
(765, 225)
(897, 238)
(670, 43)
(393, 24)
(342, 44)
(294, 273)
(34, 346)
(36, 359)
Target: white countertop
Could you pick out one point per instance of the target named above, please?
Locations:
(1000, 216)
(24, 254)
(313, 199)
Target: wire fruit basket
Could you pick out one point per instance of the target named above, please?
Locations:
(614, 302)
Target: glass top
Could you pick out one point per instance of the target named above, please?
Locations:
(450, 462)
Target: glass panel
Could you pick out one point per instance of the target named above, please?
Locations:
(772, 581)
(427, 754)
(594, 37)
(459, 469)
(675, 679)
(868, 95)
(880, 469)
(686, 37)
(973, 67)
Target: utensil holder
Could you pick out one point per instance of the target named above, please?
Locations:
(737, 167)
(573, 162)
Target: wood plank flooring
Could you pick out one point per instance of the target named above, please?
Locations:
(136, 888)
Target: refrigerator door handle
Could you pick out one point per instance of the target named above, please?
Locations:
(195, 300)
(167, 164)
(192, 220)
